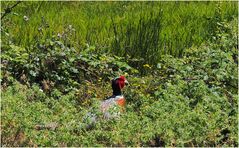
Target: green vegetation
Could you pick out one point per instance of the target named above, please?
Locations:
(181, 59)
(134, 29)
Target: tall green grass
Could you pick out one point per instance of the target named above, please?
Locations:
(144, 30)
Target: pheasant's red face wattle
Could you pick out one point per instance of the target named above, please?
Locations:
(122, 81)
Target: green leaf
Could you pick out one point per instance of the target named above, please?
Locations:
(33, 73)
(158, 65)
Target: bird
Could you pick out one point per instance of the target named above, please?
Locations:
(112, 106)
(117, 100)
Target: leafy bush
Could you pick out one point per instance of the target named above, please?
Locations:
(187, 101)
(50, 63)
(191, 101)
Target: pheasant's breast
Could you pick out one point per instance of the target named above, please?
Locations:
(121, 102)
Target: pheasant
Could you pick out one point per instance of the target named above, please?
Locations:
(117, 99)
(109, 107)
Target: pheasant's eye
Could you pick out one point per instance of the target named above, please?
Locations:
(126, 82)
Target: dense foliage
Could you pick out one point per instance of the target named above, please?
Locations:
(134, 29)
(191, 100)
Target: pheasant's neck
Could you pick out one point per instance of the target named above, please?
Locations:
(117, 92)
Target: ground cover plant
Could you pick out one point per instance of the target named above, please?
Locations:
(181, 63)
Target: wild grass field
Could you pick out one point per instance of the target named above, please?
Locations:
(180, 58)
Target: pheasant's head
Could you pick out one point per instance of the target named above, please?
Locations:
(118, 84)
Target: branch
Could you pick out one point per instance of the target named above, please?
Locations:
(49, 126)
(9, 9)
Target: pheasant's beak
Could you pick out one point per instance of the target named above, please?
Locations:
(126, 82)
